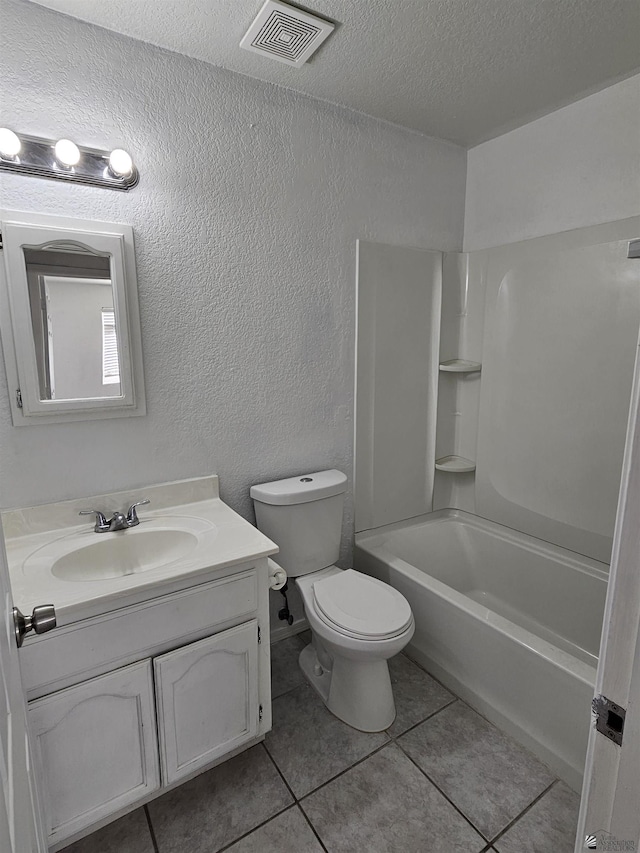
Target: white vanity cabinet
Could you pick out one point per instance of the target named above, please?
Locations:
(131, 702)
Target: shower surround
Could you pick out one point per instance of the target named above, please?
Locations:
(504, 559)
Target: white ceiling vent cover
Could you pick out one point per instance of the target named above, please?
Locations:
(285, 33)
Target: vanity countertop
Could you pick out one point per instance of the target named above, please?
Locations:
(37, 537)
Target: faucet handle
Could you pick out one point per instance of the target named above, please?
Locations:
(132, 515)
(101, 522)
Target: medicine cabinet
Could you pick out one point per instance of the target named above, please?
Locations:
(69, 319)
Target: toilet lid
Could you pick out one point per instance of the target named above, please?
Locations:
(361, 605)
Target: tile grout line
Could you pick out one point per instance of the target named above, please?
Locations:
(488, 843)
(296, 800)
(286, 692)
(254, 829)
(333, 779)
(280, 773)
(524, 811)
(424, 720)
(458, 699)
(313, 829)
(426, 671)
(448, 799)
(342, 772)
(482, 835)
(154, 840)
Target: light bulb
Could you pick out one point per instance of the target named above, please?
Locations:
(10, 144)
(67, 152)
(120, 163)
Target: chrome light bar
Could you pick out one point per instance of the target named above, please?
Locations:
(63, 160)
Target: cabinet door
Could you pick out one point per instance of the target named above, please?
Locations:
(207, 699)
(96, 748)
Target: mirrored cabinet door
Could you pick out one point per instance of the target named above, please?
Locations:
(71, 333)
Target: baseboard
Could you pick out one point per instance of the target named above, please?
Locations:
(284, 631)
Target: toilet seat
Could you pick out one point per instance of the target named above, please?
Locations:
(360, 606)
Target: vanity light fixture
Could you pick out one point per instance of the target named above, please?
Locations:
(63, 160)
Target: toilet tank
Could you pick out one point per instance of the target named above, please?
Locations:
(303, 516)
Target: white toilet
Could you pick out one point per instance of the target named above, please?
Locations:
(357, 622)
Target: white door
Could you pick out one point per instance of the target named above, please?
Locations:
(610, 809)
(20, 822)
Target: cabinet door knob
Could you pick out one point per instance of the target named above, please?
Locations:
(42, 619)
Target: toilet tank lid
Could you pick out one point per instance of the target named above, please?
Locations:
(302, 489)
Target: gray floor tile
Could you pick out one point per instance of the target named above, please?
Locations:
(129, 834)
(386, 805)
(416, 694)
(310, 745)
(489, 777)
(219, 806)
(549, 825)
(285, 671)
(287, 833)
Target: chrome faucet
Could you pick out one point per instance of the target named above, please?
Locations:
(119, 521)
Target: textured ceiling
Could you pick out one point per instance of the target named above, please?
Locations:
(464, 70)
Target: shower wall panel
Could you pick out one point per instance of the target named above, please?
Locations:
(397, 347)
(561, 331)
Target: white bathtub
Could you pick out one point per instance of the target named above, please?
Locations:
(508, 622)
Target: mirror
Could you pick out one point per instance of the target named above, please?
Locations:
(73, 344)
(72, 323)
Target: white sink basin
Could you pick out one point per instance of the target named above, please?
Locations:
(88, 556)
(124, 553)
(186, 536)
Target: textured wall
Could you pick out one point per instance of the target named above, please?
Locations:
(575, 167)
(250, 202)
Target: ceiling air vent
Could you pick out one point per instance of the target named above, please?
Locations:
(285, 33)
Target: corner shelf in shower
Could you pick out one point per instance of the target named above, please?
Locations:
(455, 464)
(460, 365)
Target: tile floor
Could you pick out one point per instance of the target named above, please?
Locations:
(440, 780)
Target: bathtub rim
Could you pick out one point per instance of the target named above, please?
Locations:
(366, 541)
(577, 560)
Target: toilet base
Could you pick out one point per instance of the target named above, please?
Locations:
(357, 692)
(318, 677)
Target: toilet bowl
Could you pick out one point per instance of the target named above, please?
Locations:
(357, 622)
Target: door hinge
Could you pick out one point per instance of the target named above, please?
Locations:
(609, 718)
(19, 398)
(259, 636)
(260, 713)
